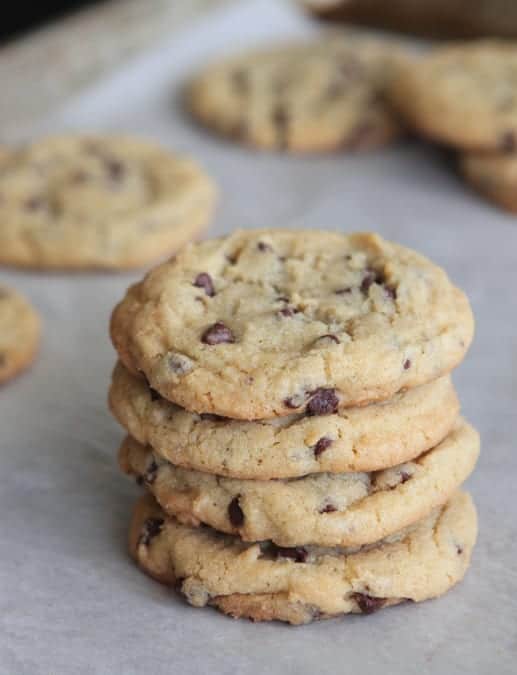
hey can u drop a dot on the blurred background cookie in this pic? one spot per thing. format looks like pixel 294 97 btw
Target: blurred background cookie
pixel 19 333
pixel 98 201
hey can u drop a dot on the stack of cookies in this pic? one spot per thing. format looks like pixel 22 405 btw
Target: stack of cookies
pixel 465 96
pixel 292 416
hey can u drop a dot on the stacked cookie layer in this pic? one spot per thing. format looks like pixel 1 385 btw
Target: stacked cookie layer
pixel 292 417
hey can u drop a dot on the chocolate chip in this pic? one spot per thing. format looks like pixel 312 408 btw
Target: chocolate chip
pixel 459 549
pixel 235 513
pixel 508 142
pixel 362 137
pixel 78 177
pixel 367 603
pixel 115 169
pixel 297 553
pixel 205 282
pixel 370 276
pixel 151 473
pixel 323 402
pixel 262 246
pixel 391 292
pixel 288 311
pixel 280 120
pixel 217 334
pixel 152 527
pixel 328 508
pixel 323 443
pixel 34 203
pixel 407 364
pixel 404 476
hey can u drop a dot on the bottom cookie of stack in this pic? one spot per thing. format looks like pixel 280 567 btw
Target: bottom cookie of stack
pixel 262 581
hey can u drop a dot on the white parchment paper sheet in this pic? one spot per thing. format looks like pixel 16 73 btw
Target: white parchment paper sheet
pixel 70 599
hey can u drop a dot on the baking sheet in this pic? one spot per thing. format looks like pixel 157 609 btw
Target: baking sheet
pixel 71 601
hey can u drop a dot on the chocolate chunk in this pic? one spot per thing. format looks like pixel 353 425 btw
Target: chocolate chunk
pixel 151 473
pixel 404 476
pixel 217 334
pixel 115 169
pixel 459 549
pixel 205 282
pixel 152 527
pixel 297 553
pixel 328 508
pixel 235 513
pixel 508 142
pixel 407 364
pixel 323 443
pixel 323 402
pixel 367 603
pixel 240 81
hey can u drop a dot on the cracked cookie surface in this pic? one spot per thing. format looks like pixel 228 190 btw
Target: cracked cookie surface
pixel 345 509
pixel 291 321
pixel 19 333
pixel 353 439
pixel 303 97
pixel 98 201
pixel 464 95
pixel 301 584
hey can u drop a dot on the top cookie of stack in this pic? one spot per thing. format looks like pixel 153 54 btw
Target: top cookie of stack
pixel 262 324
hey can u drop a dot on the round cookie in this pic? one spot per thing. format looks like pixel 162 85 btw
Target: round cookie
pixel 494 176
pixel 301 97
pixel 19 333
pixel 98 201
pixel 353 439
pixel 346 509
pixel 264 323
pixel 298 585
pixel 464 95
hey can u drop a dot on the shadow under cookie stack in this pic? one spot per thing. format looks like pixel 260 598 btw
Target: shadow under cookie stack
pixel 291 415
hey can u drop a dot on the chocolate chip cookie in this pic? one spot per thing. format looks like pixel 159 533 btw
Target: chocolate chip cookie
pixel 266 323
pixel 353 439
pixel 494 176
pixel 264 582
pixel 344 509
pixel 98 201
pixel 302 97
pixel 19 333
pixel 464 95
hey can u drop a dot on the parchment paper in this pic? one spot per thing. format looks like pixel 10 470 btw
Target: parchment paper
pixel 71 601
